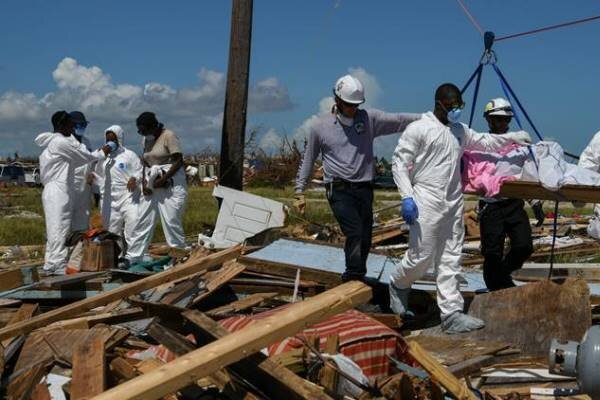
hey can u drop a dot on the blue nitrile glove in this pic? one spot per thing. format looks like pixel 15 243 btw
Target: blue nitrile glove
pixel 410 212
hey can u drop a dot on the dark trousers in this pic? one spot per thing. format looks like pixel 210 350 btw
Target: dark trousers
pixel 352 206
pixel 496 222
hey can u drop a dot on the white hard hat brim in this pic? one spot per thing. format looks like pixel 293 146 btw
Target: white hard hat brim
pixel 353 101
pixel 501 113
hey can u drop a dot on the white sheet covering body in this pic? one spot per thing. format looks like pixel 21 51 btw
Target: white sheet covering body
pixel 590 159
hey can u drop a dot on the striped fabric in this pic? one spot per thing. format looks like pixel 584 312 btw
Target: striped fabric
pixel 366 341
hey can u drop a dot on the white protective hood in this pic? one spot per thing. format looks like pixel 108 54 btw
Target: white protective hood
pixel 44 139
pixel 117 131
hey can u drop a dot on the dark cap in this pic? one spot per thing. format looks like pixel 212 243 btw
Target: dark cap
pixel 147 119
pixel 78 117
pixel 59 118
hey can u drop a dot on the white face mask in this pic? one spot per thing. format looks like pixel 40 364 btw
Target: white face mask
pixel 79 131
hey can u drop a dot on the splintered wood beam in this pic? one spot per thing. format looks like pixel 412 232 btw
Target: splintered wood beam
pixel 290 270
pixel 329 375
pixel 276 380
pixel 89 369
pixel 439 373
pixel 124 291
pixel 241 305
pixel 23 385
pixel 25 312
pixel 208 359
pixel 216 279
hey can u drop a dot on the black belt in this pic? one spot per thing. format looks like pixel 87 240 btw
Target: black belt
pixel 343 184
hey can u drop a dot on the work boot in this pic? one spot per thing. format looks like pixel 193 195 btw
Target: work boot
pixel 399 301
pixel 459 322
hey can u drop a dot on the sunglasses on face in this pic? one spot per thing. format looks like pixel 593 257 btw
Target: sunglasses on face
pixel 453 106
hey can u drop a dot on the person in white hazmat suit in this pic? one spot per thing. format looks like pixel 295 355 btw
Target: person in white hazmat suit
pixel 426 169
pixel 164 188
pixel 82 192
pixel 590 159
pixel 118 179
pixel 61 155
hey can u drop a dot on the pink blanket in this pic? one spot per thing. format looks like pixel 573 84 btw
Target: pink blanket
pixel 479 176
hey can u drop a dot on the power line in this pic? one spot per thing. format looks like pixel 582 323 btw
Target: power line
pixel 470 16
pixel 547 28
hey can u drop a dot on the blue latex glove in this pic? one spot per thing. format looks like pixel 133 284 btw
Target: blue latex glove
pixel 410 212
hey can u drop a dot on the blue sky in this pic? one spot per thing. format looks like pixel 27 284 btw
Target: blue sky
pixel 114 58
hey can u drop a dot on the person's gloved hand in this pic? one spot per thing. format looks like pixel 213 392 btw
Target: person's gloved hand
pixel 522 137
pixel 410 212
pixel 299 203
pixel 538 212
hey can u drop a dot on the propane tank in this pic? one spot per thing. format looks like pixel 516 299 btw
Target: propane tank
pixel 580 360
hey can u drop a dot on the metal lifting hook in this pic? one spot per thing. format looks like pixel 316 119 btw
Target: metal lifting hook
pixel 489 56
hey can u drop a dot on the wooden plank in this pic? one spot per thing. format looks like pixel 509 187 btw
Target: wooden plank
pixel 180 345
pixel 238 345
pixel 439 373
pixel 122 369
pixel 89 369
pixel 530 316
pixel 534 190
pixel 41 392
pixel 23 383
pixel 10 302
pixel 383 236
pixel 449 350
pixel 289 270
pixel 216 279
pixel 329 375
pixel 109 318
pixel 471 365
pixel 264 372
pixel 15 278
pixel 182 290
pixel 58 344
pixel 53 282
pixel 241 305
pixel 25 312
pixel 172 340
pixel 122 292
pixel 393 321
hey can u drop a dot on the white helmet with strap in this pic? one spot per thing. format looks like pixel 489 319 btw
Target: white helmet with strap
pixel 349 90
pixel 500 107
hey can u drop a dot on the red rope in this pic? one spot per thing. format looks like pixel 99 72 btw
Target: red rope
pixel 547 28
pixel 470 16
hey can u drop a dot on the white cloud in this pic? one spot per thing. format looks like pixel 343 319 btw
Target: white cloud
pixel 270 141
pixel 373 91
pixel 195 112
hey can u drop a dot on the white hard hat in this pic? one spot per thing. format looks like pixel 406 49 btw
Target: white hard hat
pixel 117 130
pixel 349 89
pixel 499 107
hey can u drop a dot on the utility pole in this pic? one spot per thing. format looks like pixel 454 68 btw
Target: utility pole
pixel 231 167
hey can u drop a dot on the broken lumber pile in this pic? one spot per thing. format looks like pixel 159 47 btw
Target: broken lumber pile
pixel 223 325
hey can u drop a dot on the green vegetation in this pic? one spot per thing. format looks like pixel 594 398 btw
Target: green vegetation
pixel 201 211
